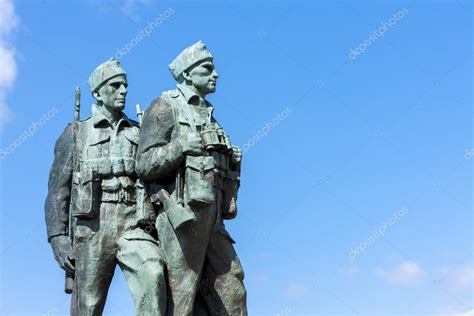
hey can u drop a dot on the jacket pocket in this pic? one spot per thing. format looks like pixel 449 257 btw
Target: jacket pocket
pixel 131 134
pixel 97 144
pixel 199 180
pixel 85 194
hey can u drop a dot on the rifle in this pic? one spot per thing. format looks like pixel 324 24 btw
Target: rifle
pixel 139 114
pixel 69 282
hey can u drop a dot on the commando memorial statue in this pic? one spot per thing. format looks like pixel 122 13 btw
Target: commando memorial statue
pixel 192 171
pixel 151 198
pixel 91 208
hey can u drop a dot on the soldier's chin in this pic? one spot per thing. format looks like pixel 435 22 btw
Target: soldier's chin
pixel 212 88
pixel 119 106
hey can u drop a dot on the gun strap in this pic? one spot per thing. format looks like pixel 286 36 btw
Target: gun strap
pixel 74 169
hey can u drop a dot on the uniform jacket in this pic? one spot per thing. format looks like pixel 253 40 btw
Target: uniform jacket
pixel 91 150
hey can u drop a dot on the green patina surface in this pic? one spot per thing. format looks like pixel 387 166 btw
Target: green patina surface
pixel 152 199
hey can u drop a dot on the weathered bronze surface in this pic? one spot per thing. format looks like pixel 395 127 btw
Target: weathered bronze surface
pixel 152 199
pixel 184 153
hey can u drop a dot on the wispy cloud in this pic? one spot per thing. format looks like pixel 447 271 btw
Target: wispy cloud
pixel 460 278
pixel 8 22
pixel 407 273
pixel 350 270
pixel 452 312
pixel 130 8
pixel 5 113
pixel 466 313
pixel 8 66
pixel 8 19
pixel 296 290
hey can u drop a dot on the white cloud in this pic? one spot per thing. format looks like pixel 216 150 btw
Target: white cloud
pixel 296 290
pixel 131 7
pixel 5 113
pixel 460 278
pixel 8 21
pixel 350 271
pixel 407 273
pixel 8 67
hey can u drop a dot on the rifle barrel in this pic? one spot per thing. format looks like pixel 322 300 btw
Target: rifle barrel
pixel 77 104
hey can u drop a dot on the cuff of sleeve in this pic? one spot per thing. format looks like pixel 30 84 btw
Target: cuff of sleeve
pixel 55 233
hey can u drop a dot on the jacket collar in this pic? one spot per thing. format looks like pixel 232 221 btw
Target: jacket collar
pixel 190 96
pixel 99 118
pixel 193 98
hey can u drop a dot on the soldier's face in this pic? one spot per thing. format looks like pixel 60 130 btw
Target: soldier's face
pixel 204 77
pixel 113 93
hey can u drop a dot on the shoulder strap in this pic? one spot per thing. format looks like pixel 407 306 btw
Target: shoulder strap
pixel 74 169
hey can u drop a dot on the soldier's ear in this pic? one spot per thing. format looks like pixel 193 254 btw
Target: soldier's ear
pixel 186 75
pixel 97 95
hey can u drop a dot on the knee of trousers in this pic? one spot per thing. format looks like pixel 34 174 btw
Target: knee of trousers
pixel 235 289
pixel 237 271
pixel 152 273
pixel 89 303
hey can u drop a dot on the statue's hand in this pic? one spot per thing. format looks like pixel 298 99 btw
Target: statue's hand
pixel 236 154
pixel 62 250
pixel 192 144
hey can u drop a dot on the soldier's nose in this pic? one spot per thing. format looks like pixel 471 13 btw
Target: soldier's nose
pixel 123 89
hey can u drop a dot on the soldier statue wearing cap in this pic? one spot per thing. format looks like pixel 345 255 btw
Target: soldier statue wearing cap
pixel 93 181
pixel 191 171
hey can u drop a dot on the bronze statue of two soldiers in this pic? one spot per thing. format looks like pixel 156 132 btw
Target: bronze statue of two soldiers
pixel 150 198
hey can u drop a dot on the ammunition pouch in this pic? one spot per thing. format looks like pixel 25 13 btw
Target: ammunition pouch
pixel 85 199
pixel 145 210
pixel 199 181
pixel 230 187
pixel 107 166
pixel 120 196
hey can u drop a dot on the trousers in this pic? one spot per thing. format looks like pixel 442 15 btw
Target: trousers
pixel 100 244
pixel 200 259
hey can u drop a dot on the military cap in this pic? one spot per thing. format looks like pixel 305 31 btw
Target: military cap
pixel 189 57
pixel 105 71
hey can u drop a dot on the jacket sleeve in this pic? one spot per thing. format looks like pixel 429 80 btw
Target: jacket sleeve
pixel 158 153
pixel 56 206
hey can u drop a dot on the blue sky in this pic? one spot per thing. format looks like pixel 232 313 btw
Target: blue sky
pixel 356 201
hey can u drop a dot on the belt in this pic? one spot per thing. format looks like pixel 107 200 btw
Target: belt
pixel 122 195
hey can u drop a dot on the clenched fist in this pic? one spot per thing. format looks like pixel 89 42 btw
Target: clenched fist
pixel 63 254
